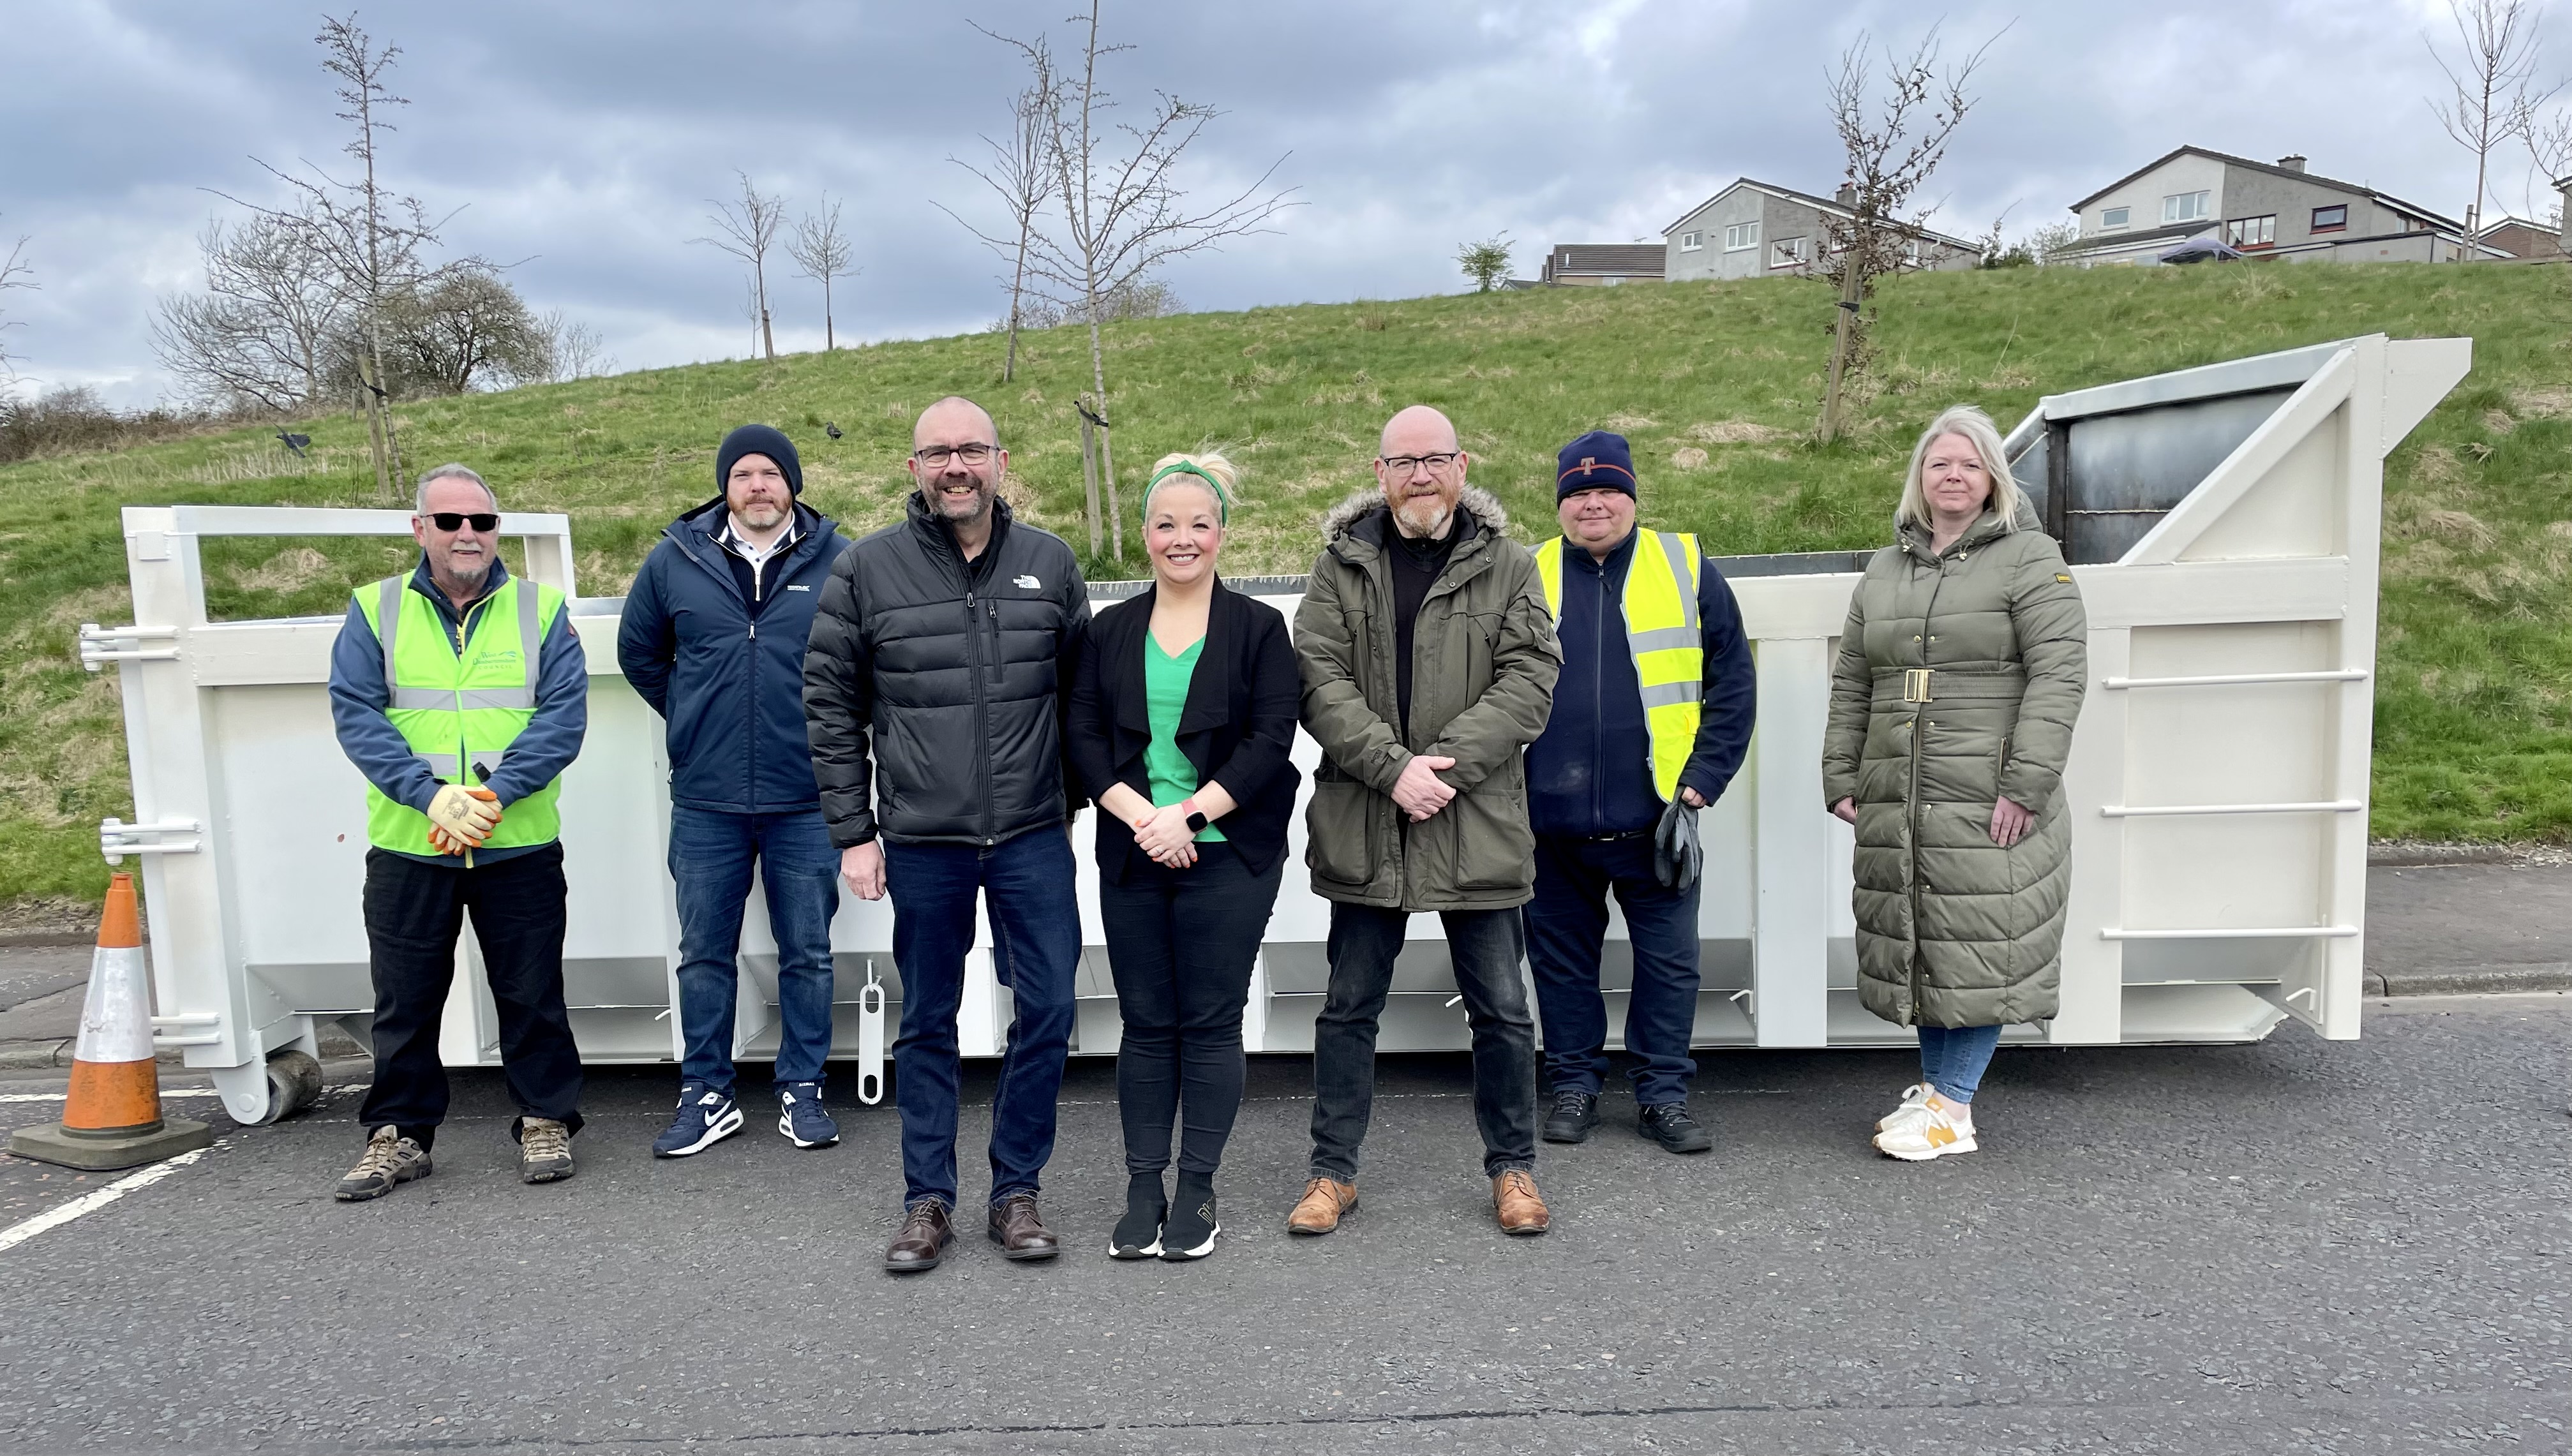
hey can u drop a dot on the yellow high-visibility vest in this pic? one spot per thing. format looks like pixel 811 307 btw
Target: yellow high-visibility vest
pixel 1665 635
pixel 460 712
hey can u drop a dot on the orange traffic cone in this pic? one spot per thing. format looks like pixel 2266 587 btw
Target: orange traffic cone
pixel 112 1119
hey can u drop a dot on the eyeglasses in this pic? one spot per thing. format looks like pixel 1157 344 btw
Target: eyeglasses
pixel 937 456
pixel 486 522
pixel 1405 464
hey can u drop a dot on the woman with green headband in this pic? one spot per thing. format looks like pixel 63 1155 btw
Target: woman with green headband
pixel 1182 714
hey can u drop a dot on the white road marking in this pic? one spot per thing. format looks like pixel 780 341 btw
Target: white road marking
pixel 167 1093
pixel 17 1234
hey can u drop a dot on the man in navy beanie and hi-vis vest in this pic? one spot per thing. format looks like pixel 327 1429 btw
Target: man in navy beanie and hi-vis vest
pixel 712 639
pixel 460 692
pixel 1655 706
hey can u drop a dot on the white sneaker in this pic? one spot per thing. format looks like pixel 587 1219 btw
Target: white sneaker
pixel 1915 1100
pixel 1934 1133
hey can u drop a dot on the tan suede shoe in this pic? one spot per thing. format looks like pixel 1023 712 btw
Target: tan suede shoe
pixel 1514 1199
pixel 1319 1211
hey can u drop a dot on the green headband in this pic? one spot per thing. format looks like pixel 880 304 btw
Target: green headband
pixel 1222 502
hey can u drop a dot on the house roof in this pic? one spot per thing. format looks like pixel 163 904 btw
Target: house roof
pixel 2228 158
pixel 1825 204
pixel 2129 237
pixel 1623 260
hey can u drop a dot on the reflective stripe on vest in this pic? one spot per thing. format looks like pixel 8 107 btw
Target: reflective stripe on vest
pixel 1665 635
pixel 460 712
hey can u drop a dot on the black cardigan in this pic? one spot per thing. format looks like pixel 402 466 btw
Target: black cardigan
pixel 1237 727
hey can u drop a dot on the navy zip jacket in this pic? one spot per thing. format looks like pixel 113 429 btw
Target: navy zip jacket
pixel 536 757
pixel 724 669
pixel 1591 772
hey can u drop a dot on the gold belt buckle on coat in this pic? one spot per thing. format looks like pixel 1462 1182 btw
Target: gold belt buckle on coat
pixel 1915 684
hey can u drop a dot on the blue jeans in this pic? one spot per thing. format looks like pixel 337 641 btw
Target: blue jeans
pixel 1952 1057
pixel 1036 933
pixel 1566 927
pixel 711 854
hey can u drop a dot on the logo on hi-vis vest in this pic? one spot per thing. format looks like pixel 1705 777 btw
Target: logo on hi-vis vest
pixel 1027 583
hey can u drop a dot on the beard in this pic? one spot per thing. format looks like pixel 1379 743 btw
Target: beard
pixel 1425 515
pixel 760 515
pixel 950 509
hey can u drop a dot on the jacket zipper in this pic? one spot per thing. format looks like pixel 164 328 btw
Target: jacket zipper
pixel 1919 732
pixel 1598 696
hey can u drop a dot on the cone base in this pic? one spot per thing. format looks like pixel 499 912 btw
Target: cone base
pixel 90 1152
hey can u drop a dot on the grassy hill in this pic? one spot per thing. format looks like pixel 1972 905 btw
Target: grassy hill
pixel 1714 384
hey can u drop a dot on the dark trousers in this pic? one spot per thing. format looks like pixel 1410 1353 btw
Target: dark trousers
pixel 711 854
pixel 1566 927
pixel 1035 945
pixel 413 914
pixel 1180 943
pixel 1484 947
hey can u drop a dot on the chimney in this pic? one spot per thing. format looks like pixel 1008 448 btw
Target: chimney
pixel 1847 195
pixel 2563 189
pixel 2291 164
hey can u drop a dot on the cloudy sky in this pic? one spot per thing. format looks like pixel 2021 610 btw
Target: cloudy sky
pixel 584 136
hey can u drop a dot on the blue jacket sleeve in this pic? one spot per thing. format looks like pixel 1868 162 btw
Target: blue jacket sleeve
pixel 551 739
pixel 645 644
pixel 358 694
pixel 1731 704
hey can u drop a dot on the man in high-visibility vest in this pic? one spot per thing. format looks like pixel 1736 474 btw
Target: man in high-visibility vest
pixel 1654 707
pixel 460 692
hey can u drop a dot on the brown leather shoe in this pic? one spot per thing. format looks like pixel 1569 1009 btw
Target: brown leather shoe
pixel 921 1240
pixel 1319 1211
pixel 1019 1232
pixel 1514 1199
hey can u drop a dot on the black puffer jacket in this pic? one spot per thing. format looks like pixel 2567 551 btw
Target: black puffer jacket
pixel 935 687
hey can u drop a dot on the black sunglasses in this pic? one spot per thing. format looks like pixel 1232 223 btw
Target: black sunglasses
pixel 486 522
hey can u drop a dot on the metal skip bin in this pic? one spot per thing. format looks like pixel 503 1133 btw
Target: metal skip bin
pixel 2222 523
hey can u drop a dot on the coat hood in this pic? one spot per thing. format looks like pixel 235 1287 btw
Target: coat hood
pixel 1340 519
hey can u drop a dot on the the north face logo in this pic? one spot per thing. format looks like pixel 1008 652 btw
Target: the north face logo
pixel 1027 583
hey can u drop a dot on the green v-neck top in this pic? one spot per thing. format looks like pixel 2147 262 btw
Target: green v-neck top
pixel 1166 693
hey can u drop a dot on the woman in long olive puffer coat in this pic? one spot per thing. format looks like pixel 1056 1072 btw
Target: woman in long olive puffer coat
pixel 1959 676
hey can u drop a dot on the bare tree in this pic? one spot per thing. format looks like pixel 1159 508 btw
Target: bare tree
pixel 576 350
pixel 1125 214
pixel 15 273
pixel 1893 145
pixel 2493 95
pixel 263 333
pixel 1021 172
pixel 748 230
pixel 821 249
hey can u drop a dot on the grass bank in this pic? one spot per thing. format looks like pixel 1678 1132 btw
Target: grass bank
pixel 1714 384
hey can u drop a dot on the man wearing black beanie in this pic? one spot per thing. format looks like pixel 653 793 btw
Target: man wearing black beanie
pixel 721 609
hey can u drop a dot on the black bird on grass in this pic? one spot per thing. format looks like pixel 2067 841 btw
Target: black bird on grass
pixel 832 430
pixel 295 444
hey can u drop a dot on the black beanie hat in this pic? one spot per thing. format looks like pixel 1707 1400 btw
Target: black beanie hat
pixel 765 440
pixel 1596 459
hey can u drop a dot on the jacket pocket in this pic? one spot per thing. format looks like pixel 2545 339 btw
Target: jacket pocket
pixel 1495 848
pixel 1338 832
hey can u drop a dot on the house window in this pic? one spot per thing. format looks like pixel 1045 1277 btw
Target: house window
pixel 2331 219
pixel 1788 252
pixel 1691 241
pixel 1739 236
pixel 1911 252
pixel 2186 207
pixel 2116 217
pixel 2252 232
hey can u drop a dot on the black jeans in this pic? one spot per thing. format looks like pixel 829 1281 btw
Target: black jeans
pixel 413 914
pixel 1484 947
pixel 1180 943
pixel 1566 927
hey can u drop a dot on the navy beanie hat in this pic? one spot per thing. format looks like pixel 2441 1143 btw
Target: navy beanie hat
pixel 1596 460
pixel 770 441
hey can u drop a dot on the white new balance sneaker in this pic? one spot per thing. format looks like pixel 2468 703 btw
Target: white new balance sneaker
pixel 1935 1131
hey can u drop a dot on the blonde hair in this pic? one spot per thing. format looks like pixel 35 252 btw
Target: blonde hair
pixel 1978 431
pixel 1213 463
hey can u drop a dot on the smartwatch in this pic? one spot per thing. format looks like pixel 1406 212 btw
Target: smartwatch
pixel 1196 816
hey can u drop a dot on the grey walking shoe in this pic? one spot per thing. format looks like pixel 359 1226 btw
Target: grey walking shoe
pixel 545 1151
pixel 392 1159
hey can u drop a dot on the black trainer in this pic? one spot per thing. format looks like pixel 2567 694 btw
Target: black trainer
pixel 1138 1234
pixel 1574 1113
pixel 1669 1124
pixel 1192 1225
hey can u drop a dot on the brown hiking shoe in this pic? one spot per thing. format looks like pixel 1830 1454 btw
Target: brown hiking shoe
pixel 392 1159
pixel 545 1151
pixel 1514 1199
pixel 1319 1211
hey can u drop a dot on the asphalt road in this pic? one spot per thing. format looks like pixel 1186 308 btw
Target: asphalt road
pixel 2292 1246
